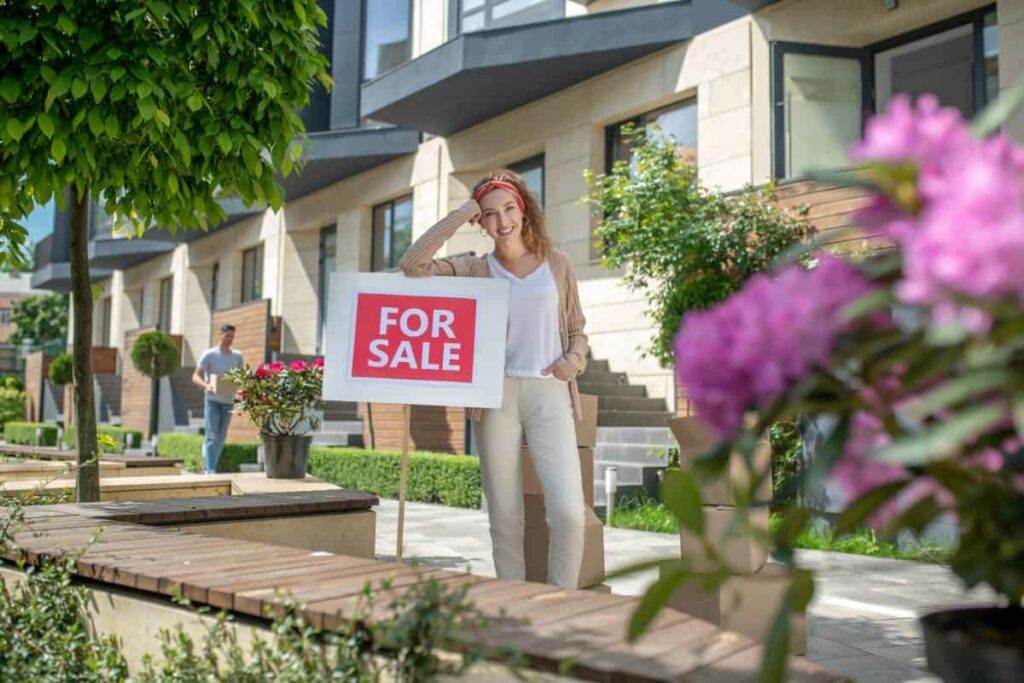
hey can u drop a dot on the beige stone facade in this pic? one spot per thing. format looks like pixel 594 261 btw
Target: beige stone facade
pixel 728 72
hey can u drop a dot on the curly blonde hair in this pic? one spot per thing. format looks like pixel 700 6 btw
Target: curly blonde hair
pixel 535 232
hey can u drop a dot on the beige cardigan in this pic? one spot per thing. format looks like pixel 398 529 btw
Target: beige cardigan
pixel 419 261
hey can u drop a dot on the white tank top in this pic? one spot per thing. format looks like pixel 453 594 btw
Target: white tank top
pixel 532 340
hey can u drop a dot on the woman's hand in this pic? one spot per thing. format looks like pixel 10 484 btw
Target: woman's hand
pixel 474 211
pixel 558 369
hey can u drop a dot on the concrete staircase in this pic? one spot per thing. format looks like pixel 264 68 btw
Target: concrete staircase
pixel 188 399
pixel 107 390
pixel 341 424
pixel 621 404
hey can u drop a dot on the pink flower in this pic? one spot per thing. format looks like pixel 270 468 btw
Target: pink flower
pixel 762 340
pixel 855 472
pixel 318 363
pixel 264 399
pixel 297 366
pixel 276 367
pixel 261 371
pixel 239 396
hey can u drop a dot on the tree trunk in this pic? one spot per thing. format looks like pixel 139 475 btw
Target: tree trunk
pixel 87 487
pixel 154 397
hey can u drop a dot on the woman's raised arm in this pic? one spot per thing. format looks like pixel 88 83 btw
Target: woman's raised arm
pixel 419 261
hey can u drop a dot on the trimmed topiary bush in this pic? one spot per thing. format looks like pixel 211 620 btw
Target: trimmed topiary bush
pixel 24 433
pixel 189 449
pixel 12 404
pixel 118 434
pixel 13 382
pixel 154 354
pixel 60 371
pixel 433 477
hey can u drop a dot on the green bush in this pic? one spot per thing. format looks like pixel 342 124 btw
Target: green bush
pixel 24 433
pixel 189 449
pixel 60 371
pixel 433 477
pixel 118 434
pixel 12 404
pixel 12 382
pixel 154 354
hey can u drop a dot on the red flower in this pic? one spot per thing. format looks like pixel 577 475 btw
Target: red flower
pixel 264 399
pixel 276 367
pixel 261 371
pixel 239 396
pixel 318 363
pixel 297 366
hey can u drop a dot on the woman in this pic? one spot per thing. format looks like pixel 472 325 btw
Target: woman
pixel 545 351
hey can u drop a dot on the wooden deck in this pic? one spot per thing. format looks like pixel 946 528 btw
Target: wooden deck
pixel 547 624
pixel 50 453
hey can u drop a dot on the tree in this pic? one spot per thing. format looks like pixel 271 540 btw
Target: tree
pixel 40 319
pixel 155 355
pixel 155 110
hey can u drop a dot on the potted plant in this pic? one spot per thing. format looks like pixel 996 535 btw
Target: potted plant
pixel 282 401
pixel 916 356
pixel 155 355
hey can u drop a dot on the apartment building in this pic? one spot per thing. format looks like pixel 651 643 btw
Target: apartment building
pixel 431 94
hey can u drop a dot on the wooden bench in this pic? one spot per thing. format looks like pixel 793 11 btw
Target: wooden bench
pixel 50 453
pixel 138 550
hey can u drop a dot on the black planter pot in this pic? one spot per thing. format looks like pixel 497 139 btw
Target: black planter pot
pixel 979 644
pixel 286 456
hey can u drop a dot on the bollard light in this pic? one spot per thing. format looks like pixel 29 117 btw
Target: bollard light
pixel 611 485
pixel 60 438
pixel 39 436
pixel 156 438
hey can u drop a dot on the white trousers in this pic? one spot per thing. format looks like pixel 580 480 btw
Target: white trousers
pixel 542 407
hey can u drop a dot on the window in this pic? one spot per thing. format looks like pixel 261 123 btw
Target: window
pixel 477 15
pixel 163 321
pixel 5 316
pixel 532 171
pixel 214 282
pixel 252 274
pixel 387 32
pixel 990 55
pixel 106 321
pixel 392 233
pixel 328 260
pixel 677 122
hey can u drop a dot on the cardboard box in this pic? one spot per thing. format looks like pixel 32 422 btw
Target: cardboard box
pixel 695 438
pixel 536 538
pixel 586 429
pixel 741 552
pixel 745 604
pixel 222 385
pixel 531 483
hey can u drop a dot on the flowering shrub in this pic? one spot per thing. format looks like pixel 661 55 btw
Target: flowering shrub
pixel 280 399
pixel 915 353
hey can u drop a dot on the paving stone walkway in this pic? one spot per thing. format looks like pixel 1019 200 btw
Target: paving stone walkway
pixel 863 621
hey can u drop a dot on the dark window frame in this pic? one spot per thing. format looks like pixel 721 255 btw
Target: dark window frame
pixel 638 121
pixel 976 18
pixel 455 15
pixel 529 163
pixel 391 263
pixel 362 41
pixel 214 285
pixel 106 320
pixel 165 305
pixel 323 282
pixel 255 292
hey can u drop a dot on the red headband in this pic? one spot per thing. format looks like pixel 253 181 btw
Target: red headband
pixel 502 185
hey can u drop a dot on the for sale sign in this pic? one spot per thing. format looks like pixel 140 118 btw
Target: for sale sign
pixel 426 341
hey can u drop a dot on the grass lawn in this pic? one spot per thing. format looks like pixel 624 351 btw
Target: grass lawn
pixel 645 514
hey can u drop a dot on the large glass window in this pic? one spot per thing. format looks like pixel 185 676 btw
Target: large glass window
pixel 163 322
pixel 990 55
pixel 328 260
pixel 252 274
pixel 677 122
pixel 477 15
pixel 532 170
pixel 392 233
pixel 387 35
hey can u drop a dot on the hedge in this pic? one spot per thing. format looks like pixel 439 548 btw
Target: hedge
pixel 189 448
pixel 24 433
pixel 118 434
pixel 12 404
pixel 433 477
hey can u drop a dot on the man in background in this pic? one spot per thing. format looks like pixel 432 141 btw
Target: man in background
pixel 216 407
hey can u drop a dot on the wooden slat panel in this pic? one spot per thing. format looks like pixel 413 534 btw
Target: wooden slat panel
pixel 36 366
pixel 104 360
pixel 432 428
pixel 136 388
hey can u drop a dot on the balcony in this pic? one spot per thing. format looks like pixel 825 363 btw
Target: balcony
pixel 335 155
pixel 477 76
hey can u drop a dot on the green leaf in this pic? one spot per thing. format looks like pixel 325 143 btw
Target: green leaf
pixel 857 513
pixel 224 140
pixel 147 108
pixel 801 591
pixel 194 101
pixel 67 24
pixel 711 465
pixel 99 89
pixel 89 37
pixel 46 124
pixel 117 73
pixel 15 129
pixel 793 523
pixel 78 88
pixel 270 87
pixel 656 597
pixel 162 118
pixel 96 125
pixel 776 650
pixel 956 391
pixel 993 116
pixel 58 149
pixel 60 86
pixel 945 438
pixel 681 494
pixel 112 126
pixel 143 89
pixel 10 88
pixel 199 28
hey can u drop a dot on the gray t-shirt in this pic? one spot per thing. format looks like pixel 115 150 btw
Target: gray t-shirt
pixel 217 362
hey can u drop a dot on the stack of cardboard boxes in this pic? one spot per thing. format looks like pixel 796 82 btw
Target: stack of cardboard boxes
pixel 748 600
pixel 536 534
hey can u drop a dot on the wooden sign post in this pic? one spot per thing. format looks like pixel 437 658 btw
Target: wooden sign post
pixel 437 341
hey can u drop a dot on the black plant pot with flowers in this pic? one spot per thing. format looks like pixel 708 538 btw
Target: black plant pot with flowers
pixel 286 456
pixel 976 644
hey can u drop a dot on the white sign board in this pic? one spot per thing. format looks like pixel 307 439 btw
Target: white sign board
pixel 437 341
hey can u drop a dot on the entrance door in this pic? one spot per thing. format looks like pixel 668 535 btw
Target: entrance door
pixel 942 64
